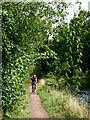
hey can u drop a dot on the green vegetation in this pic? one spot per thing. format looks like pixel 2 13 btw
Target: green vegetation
pixel 23 111
pixel 28 49
pixel 60 104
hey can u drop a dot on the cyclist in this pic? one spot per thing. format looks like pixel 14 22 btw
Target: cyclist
pixel 34 81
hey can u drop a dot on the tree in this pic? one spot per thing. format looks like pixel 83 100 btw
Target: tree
pixel 26 29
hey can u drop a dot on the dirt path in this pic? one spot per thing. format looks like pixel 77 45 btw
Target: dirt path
pixel 37 110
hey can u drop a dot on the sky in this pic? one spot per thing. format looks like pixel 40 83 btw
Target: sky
pixel 84 6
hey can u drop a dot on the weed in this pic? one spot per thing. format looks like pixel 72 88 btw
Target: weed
pixel 60 104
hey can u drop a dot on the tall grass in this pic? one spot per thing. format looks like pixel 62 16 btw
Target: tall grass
pixel 60 104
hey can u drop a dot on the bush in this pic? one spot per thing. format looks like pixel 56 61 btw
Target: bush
pixel 51 75
pixel 52 81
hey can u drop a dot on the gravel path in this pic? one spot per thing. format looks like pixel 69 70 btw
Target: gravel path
pixel 37 110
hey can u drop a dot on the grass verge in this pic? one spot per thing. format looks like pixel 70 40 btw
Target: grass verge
pixel 60 104
pixel 24 110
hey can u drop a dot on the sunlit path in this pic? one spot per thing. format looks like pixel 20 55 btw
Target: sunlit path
pixel 37 110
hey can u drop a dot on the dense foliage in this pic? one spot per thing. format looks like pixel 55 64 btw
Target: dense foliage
pixel 27 47
pixel 72 47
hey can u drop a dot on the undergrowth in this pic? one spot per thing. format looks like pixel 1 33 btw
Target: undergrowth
pixel 23 111
pixel 60 104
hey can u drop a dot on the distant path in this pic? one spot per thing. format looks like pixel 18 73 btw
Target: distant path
pixel 37 110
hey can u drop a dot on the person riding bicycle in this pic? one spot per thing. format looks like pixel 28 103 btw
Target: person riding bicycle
pixel 34 81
